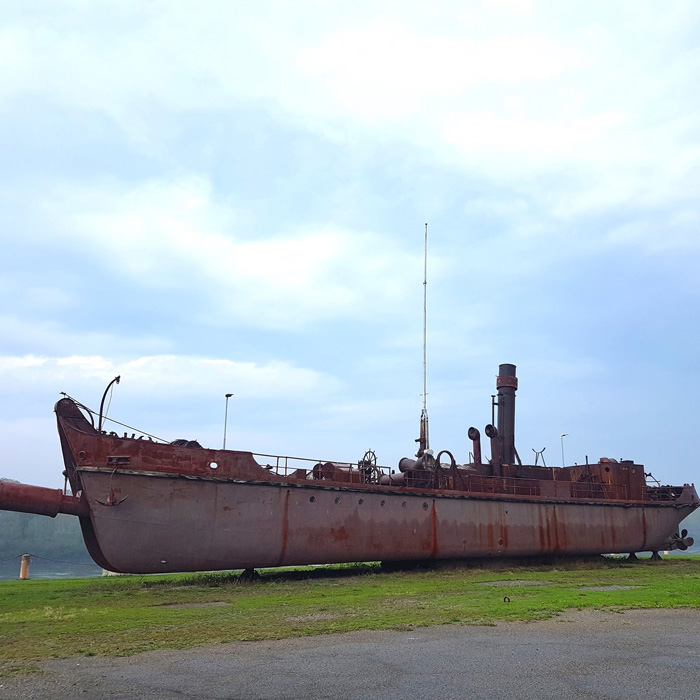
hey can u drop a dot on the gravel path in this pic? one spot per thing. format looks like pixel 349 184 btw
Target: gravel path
pixel 646 654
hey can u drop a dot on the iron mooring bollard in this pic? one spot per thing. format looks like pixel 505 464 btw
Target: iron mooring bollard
pixel 24 567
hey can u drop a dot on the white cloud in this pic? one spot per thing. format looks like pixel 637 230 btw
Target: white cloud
pixel 489 135
pixel 160 233
pixel 55 335
pixel 33 455
pixel 389 70
pixel 163 375
pixel 510 4
pixel 499 88
pixel 680 231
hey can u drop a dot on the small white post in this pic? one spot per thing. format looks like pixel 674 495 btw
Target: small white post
pixel 24 567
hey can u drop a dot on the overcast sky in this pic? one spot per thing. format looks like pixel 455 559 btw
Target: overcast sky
pixel 220 197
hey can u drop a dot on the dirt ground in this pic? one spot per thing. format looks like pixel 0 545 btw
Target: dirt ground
pixel 646 654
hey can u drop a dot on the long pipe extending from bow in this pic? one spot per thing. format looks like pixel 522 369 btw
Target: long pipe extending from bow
pixel 23 498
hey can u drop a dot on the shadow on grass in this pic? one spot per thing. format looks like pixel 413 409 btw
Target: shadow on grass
pixel 343 571
pixel 215 579
pixel 226 578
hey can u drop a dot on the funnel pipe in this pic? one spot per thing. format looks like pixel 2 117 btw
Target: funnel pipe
pixel 506 383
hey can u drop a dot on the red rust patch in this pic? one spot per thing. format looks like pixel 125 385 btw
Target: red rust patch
pixel 554 527
pixel 285 528
pixel 541 531
pixel 340 534
pixel 435 539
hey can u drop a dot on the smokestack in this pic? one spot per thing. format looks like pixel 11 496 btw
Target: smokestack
pixel 506 383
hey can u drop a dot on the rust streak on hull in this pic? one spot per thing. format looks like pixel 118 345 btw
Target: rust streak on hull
pixel 435 531
pixel 285 529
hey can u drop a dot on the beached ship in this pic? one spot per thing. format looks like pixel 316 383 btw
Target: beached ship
pixel 147 506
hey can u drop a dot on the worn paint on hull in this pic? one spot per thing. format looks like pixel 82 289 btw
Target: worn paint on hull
pixel 172 524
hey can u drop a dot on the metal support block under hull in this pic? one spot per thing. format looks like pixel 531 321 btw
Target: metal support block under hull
pixel 166 523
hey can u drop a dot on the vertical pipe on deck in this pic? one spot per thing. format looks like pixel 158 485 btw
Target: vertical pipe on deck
pixel 506 383
pixel 492 433
pixel 475 437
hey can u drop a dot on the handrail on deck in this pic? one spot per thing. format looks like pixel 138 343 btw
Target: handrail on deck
pixel 283 467
pixel 595 489
pixel 305 468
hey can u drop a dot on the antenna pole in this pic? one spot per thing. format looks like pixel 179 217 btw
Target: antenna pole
pixel 424 437
pixel 228 396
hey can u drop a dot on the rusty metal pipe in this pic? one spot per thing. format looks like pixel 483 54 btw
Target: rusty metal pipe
pixel 475 437
pixel 406 464
pixel 507 384
pixel 492 433
pixel 23 498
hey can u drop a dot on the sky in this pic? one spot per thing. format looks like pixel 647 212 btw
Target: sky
pixel 230 197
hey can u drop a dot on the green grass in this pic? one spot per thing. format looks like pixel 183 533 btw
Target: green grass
pixel 126 615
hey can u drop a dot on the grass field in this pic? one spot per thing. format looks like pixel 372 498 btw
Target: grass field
pixel 130 614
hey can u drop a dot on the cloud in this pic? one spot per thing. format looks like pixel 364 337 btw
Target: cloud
pixel 388 70
pixel 160 234
pixel 236 180
pixel 164 376
pixel 503 90
pixel 54 335
pixel 676 231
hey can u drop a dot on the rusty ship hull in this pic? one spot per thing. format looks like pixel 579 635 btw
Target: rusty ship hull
pixel 167 523
pixel 152 507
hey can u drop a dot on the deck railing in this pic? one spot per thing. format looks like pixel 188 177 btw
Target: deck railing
pixel 314 470
pixel 663 493
pixel 590 489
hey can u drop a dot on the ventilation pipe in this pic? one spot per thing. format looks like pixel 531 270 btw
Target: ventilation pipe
pixel 506 383
pixel 492 433
pixel 475 437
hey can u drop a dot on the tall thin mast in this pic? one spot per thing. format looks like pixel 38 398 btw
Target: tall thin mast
pixel 424 440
